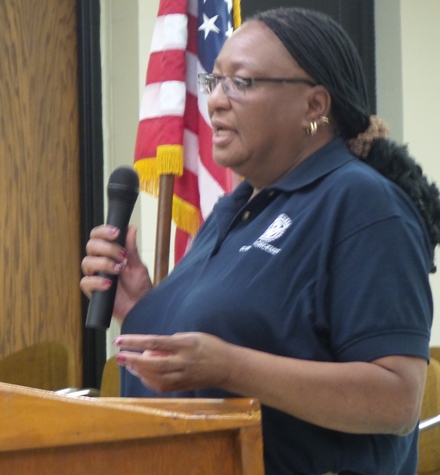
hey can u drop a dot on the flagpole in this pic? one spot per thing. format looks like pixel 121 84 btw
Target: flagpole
pixel 163 230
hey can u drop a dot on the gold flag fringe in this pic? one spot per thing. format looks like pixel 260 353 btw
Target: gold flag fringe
pixel 148 176
pixel 184 215
pixel 170 160
pixel 237 13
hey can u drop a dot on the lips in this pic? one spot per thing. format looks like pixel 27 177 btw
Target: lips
pixel 217 127
pixel 222 133
pixel 222 137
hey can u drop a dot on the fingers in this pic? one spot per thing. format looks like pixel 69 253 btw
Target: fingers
pixel 159 370
pixel 103 255
pixel 162 343
pixel 105 231
pixel 97 246
pixel 91 266
pixel 90 284
pixel 161 362
pixel 152 361
pixel 179 362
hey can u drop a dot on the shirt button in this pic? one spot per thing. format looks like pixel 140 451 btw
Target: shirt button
pixel 271 193
pixel 246 215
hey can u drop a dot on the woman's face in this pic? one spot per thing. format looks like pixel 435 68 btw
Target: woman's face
pixel 260 134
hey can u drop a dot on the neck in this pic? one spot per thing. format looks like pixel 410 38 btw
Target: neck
pixel 266 178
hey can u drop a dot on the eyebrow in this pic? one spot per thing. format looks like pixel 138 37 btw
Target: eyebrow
pixel 239 64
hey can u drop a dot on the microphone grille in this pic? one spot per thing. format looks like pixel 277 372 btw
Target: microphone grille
pixel 125 177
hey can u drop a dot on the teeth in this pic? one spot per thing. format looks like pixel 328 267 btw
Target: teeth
pixel 223 132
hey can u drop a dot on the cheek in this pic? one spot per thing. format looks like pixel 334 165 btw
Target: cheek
pixel 286 121
pixel 265 128
pixel 255 126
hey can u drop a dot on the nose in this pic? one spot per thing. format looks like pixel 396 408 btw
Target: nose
pixel 218 99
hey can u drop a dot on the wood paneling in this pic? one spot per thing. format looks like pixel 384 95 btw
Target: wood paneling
pixel 39 176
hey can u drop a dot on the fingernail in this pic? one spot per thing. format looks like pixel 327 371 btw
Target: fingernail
pixel 120 265
pixel 117 341
pixel 121 358
pixel 124 253
pixel 113 231
pixel 108 282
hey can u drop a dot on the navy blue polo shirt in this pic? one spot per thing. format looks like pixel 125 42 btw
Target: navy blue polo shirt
pixel 330 264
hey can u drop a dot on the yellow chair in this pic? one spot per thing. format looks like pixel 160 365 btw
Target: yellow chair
pixel 110 386
pixel 435 352
pixel 45 365
pixel 429 440
pixel 109 383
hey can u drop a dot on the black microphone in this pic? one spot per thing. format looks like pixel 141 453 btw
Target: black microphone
pixel 122 192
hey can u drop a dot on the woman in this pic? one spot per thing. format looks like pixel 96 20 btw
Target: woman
pixel 307 287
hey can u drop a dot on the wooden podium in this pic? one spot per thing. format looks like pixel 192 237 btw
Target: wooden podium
pixel 44 433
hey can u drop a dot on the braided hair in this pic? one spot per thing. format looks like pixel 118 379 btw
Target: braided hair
pixel 324 50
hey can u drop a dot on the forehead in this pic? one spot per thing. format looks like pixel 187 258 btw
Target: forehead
pixel 255 47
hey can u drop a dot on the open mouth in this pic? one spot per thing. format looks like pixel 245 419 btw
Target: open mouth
pixel 223 132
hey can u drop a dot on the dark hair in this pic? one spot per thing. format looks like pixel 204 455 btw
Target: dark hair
pixel 324 50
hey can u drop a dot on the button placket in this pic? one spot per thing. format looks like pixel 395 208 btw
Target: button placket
pixel 246 215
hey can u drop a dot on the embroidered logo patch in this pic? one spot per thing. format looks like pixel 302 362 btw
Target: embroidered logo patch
pixel 273 232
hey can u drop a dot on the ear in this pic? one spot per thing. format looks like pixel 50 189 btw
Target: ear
pixel 319 104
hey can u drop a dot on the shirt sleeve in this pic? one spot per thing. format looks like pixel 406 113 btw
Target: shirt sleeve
pixel 379 300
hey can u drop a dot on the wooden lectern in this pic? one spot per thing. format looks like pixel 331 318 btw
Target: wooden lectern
pixel 44 433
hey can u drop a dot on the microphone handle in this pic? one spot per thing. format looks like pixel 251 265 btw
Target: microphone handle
pixel 101 304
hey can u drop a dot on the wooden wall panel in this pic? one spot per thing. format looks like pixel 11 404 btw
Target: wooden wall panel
pixel 39 176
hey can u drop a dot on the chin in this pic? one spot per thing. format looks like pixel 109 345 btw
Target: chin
pixel 228 161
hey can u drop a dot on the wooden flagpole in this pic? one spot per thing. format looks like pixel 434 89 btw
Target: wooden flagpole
pixel 163 229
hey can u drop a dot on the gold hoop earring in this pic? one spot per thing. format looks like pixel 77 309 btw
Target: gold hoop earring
pixel 313 127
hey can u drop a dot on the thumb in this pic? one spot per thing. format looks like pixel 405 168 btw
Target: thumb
pixel 131 245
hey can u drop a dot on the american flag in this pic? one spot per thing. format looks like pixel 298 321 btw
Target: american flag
pixel 174 134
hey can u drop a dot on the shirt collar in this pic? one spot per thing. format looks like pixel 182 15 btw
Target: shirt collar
pixel 321 163
pixel 324 161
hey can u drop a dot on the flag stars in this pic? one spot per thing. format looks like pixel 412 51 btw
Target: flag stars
pixel 229 4
pixel 229 31
pixel 208 25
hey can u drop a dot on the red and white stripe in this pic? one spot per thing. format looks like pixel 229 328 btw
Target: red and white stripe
pixel 173 113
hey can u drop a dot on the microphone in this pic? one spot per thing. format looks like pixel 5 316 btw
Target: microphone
pixel 122 192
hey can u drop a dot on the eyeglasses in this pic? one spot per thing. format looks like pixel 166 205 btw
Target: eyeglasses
pixel 236 86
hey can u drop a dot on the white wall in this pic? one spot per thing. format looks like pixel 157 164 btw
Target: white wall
pixel 421 76
pixel 408 74
pixel 421 100
pixel 126 30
